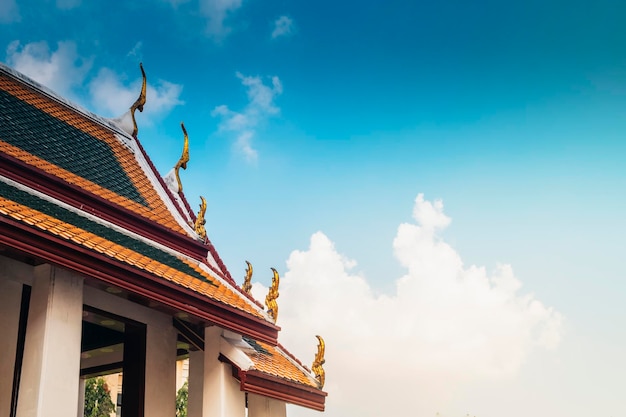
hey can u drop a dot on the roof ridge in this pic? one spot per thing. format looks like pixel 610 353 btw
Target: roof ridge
pixel 162 181
pixel 51 94
pixel 207 242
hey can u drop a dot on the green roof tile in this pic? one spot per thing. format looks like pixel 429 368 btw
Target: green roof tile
pixel 67 216
pixel 36 132
pixel 257 346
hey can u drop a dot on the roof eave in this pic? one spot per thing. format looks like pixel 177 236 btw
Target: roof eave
pixel 66 254
pixel 260 383
pixel 75 196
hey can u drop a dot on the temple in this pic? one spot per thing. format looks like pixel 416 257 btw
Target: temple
pixel 105 268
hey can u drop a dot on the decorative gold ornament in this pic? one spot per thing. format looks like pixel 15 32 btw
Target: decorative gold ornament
pixel 319 360
pixel 272 295
pixel 199 226
pixel 184 158
pixel 247 284
pixel 141 100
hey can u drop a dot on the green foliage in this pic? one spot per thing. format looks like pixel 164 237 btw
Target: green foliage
pixel 181 400
pixel 98 401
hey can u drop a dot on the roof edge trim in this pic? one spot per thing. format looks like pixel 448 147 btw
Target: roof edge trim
pixel 76 197
pixel 68 255
pixel 257 382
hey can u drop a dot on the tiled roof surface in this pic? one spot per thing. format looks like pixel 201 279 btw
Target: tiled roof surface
pixel 273 361
pixel 58 221
pixel 62 142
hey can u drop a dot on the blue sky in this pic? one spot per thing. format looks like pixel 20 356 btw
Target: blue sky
pixel 333 117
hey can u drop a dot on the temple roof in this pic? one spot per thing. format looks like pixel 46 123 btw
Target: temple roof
pixel 68 145
pixel 272 371
pixel 37 212
pixel 80 178
pixel 79 190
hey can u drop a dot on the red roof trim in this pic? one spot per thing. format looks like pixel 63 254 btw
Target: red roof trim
pixel 270 386
pixel 223 270
pixel 162 182
pixel 68 255
pixel 75 196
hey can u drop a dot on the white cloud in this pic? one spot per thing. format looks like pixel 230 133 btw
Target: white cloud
pixel 135 52
pixel 61 70
pixel 68 4
pixel 9 12
pixel 446 324
pixel 176 3
pixel 112 97
pixel 216 12
pixel 245 123
pixel 283 26
pixel 244 143
pixel 64 71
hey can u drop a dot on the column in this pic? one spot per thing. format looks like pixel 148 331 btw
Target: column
pixel 222 395
pixel 50 371
pixel 260 406
pixel 10 303
pixel 160 369
pixel 81 397
pixel 196 383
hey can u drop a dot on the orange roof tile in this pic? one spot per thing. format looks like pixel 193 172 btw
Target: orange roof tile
pixel 215 290
pixel 273 361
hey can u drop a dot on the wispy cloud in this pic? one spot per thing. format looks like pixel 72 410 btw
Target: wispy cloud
pixel 445 325
pixel 61 70
pixel 245 123
pixel 216 12
pixel 64 71
pixel 68 4
pixel 112 97
pixel 9 12
pixel 283 26
pixel 136 51
pixel 176 3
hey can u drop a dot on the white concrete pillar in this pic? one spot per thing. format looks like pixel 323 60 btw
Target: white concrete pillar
pixel 51 368
pixel 222 396
pixel 180 380
pixel 196 383
pixel 260 406
pixel 160 399
pixel 10 302
pixel 81 397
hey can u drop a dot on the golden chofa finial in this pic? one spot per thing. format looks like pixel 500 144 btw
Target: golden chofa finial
pixel 272 295
pixel 184 158
pixel 199 226
pixel 141 100
pixel 247 284
pixel 319 360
